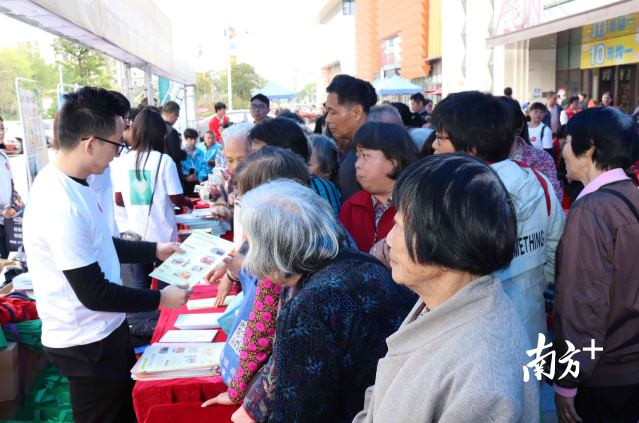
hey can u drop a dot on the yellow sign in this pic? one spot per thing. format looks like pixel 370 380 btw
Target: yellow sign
pixel 612 28
pixel 610 52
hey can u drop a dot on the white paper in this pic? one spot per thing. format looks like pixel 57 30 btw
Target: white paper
pixel 189 336
pixel 198 321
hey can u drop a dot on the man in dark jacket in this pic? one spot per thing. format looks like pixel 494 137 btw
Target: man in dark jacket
pixel 349 101
pixel 553 111
pixel 170 114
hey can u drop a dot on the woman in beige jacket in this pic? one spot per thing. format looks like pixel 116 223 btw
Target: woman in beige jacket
pixel 460 353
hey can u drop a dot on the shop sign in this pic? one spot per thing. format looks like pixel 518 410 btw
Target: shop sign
pixel 514 15
pixel 611 42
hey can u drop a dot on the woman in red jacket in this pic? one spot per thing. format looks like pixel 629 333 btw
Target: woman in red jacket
pixel 384 150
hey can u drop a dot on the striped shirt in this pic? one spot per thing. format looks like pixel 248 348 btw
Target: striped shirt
pixel 327 191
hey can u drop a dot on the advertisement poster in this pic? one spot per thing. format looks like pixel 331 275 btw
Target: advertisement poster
pixel 35 142
pixel 610 43
pixel 202 253
pixel 180 357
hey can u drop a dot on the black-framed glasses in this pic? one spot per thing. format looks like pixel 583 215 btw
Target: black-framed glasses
pixel 121 146
pixel 258 106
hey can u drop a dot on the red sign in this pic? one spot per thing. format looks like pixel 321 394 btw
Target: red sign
pixel 203 109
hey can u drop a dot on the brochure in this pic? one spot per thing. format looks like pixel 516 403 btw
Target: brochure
pixel 157 359
pixel 207 303
pixel 198 321
pixel 182 336
pixel 202 253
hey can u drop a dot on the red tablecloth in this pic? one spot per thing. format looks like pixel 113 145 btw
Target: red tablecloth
pixel 151 399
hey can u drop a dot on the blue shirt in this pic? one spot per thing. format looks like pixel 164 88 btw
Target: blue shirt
pixel 209 153
pixel 328 192
pixel 196 162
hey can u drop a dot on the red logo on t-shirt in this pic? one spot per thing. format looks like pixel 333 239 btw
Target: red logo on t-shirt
pixel 533 139
pixel 7 166
pixel 100 208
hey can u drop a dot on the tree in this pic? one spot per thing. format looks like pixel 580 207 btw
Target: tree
pixel 306 91
pixel 244 79
pixel 82 66
pixel 23 61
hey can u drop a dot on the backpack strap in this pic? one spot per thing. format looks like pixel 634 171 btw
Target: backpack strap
pixel 542 181
pixel 622 198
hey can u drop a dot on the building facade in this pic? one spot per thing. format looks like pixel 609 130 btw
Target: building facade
pixel 537 46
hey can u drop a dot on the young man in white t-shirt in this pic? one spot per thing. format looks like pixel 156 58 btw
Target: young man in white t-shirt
pixel 540 134
pixel 74 263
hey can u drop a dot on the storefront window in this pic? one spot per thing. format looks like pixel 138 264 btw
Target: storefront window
pixel 574 60
pixel 563 46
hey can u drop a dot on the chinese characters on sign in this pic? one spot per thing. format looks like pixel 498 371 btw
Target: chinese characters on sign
pixel 609 43
pixel 538 364
pixel 514 15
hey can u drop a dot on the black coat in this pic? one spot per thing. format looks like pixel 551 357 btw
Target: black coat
pixel 174 149
pixel 346 180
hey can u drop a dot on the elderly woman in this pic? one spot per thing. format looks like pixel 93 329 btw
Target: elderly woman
pixel 459 354
pixel 323 165
pixel 337 307
pixel 597 282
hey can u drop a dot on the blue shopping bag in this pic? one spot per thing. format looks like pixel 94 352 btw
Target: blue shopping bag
pixel 230 358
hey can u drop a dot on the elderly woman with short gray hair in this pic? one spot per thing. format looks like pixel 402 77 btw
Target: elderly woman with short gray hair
pixel 337 306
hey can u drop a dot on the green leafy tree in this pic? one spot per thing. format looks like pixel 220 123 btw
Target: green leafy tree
pixel 244 79
pixel 306 91
pixel 23 61
pixel 82 66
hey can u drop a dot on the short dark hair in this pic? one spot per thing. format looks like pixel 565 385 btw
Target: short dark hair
pixel 427 147
pixel 126 104
pixel 352 91
pixel 170 107
pixel 538 106
pixel 550 94
pixel 87 112
pixel 409 118
pixel 612 133
pixel 268 164
pixel 457 214
pixel 219 106
pixel 418 98
pixel 287 114
pixel 190 133
pixel 372 92
pixel 283 133
pixel 561 132
pixel 209 132
pixel 520 126
pixel 476 121
pixel 508 91
pixel 327 155
pixel 573 99
pixel 392 140
pixel 261 97
pixel 149 132
pixel 155 109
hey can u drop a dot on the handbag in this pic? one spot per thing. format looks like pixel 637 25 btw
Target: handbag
pixel 131 235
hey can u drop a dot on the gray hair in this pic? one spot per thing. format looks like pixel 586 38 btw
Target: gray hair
pixel 376 113
pixel 290 229
pixel 238 131
pixel 420 135
pixel 326 153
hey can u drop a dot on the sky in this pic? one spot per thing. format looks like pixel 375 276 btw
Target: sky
pixel 272 35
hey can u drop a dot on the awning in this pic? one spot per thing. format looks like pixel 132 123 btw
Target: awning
pixel 378 82
pixel 274 91
pixel 398 85
pixel 593 16
pixel 435 91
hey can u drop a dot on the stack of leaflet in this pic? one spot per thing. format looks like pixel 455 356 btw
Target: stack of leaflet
pixel 198 321
pixel 23 282
pixel 173 361
pixel 203 219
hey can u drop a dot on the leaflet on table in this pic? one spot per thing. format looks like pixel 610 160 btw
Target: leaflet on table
pixel 207 303
pixel 198 321
pixel 202 253
pixel 179 357
pixel 190 336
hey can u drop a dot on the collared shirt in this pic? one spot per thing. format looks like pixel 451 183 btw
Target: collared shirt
pixel 380 208
pixel 210 153
pixel 605 178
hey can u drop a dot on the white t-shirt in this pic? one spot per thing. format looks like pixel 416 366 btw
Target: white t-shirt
pixel 101 185
pixel 539 140
pixel 137 193
pixel 6 190
pixel 119 213
pixel 65 229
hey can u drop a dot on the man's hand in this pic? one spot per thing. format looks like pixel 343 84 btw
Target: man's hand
pixel 222 399
pixel 224 285
pixel 9 212
pixel 165 250
pixel 241 416
pixel 192 178
pixel 175 296
pixel 566 412
pixel 19 203
pixel 381 251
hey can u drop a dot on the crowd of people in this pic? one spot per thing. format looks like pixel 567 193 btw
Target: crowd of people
pixel 394 261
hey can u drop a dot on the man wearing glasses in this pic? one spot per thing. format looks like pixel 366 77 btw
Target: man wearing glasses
pixel 259 107
pixel 74 263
